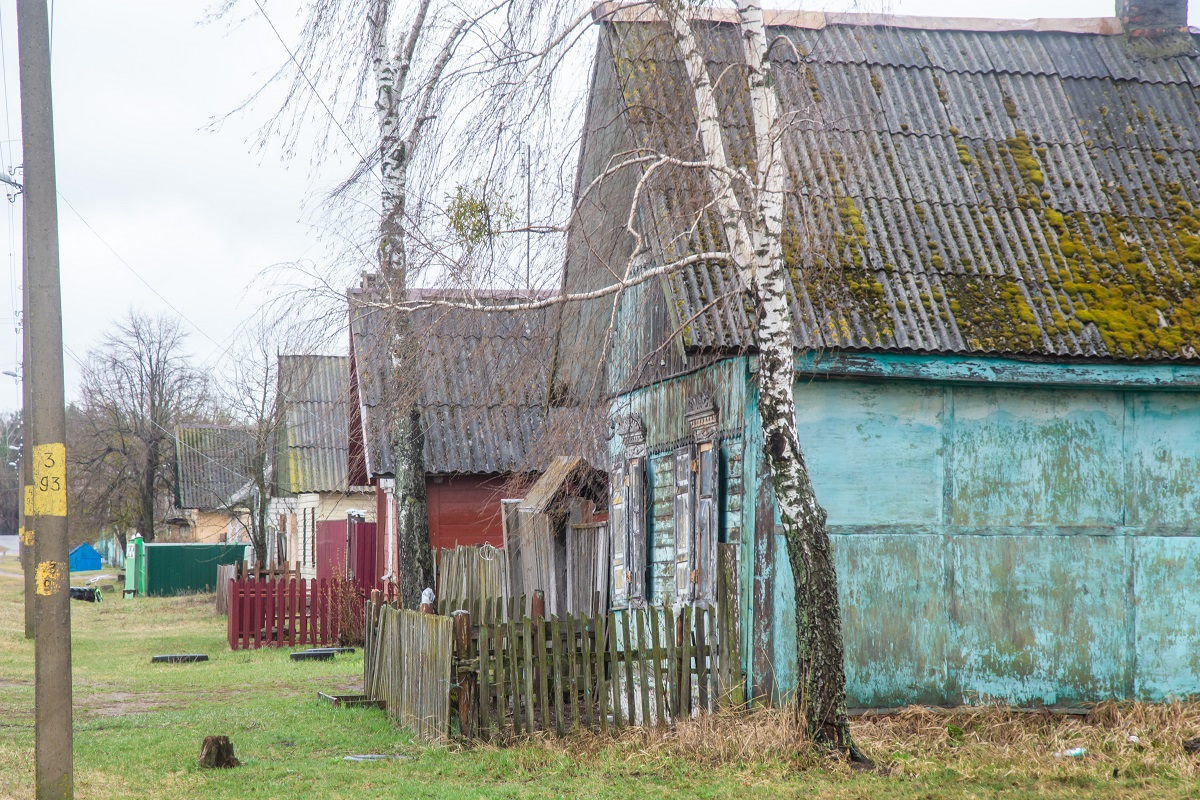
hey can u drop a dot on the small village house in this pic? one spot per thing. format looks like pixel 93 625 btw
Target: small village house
pixel 212 471
pixel 314 497
pixel 481 390
pixel 992 231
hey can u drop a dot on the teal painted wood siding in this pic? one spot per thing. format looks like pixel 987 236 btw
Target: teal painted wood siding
pixel 1002 531
pixel 661 408
pixel 1017 544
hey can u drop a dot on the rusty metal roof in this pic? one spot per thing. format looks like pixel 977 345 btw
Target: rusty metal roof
pixel 313 444
pixel 480 382
pixel 212 465
pixel 1032 194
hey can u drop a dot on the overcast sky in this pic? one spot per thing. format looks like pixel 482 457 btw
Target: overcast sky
pixel 160 213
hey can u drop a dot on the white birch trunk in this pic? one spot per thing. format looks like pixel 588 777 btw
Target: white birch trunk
pixel 753 236
pixel 405 432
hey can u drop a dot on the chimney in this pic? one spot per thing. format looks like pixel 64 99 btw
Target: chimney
pixel 1152 17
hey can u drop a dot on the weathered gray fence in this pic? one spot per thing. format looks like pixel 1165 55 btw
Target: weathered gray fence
pixel 407 664
pixel 470 576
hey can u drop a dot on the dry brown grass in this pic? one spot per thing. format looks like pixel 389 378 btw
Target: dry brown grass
pixel 1133 738
pixel 918 742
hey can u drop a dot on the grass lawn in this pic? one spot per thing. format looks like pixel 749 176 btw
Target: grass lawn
pixel 138 730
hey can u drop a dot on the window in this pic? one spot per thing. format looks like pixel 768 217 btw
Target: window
pixel 627 515
pixel 697 490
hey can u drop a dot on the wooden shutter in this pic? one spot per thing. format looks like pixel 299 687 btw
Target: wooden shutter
pixel 705 556
pixel 685 528
pixel 618 535
pixel 635 524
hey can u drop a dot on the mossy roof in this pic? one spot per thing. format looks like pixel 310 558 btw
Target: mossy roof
pixel 1006 193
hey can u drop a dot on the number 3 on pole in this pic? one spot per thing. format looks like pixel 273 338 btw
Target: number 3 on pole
pixel 50 480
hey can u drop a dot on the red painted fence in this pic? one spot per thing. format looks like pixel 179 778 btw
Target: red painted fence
pixel 280 612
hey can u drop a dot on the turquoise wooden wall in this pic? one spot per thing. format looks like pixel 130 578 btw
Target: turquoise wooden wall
pixel 1002 531
pixel 1018 544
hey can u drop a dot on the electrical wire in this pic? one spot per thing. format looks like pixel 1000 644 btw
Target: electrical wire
pixel 307 80
pixel 135 273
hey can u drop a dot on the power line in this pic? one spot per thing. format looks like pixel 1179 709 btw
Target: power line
pixel 136 274
pixel 307 80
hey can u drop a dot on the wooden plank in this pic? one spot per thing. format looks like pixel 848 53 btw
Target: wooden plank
pixel 292 615
pixel 614 664
pixel 599 645
pixel 672 664
pixel 714 690
pixel 685 660
pixel 501 687
pixel 514 672
pixel 466 680
pixel 656 658
pixel 259 602
pixel 485 682
pixel 231 618
pixel 543 662
pixel 527 647
pixel 302 608
pixel 643 642
pixel 281 612
pixel 572 682
pixel 627 658
pixel 556 670
pixel 702 657
pixel 586 626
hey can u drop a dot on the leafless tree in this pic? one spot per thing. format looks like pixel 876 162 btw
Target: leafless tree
pixel 249 399
pixel 137 385
pixel 507 92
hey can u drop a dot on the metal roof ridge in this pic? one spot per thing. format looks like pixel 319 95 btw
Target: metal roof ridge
pixel 609 11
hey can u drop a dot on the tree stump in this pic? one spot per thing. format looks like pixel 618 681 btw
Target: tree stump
pixel 217 752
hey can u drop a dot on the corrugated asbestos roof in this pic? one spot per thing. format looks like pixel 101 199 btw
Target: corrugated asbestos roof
pixel 481 384
pixel 212 464
pixel 1007 193
pixel 312 453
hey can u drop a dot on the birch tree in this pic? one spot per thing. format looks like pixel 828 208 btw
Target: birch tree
pixel 393 58
pixel 756 253
pixel 392 64
pixel 748 204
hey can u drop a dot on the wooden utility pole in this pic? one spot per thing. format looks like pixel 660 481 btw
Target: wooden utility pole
pixel 47 416
pixel 28 557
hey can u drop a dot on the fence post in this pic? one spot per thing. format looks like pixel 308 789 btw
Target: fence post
pixel 232 617
pixel 538 615
pixel 466 681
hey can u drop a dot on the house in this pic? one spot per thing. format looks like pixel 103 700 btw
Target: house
pixel 480 385
pixel 212 469
pixel 991 228
pixel 313 496
pixel 83 557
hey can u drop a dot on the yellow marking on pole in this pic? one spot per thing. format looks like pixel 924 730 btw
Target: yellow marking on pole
pixel 49 577
pixel 29 501
pixel 50 480
pixel 26 535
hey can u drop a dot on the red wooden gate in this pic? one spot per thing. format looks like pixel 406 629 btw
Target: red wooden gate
pixel 280 612
pixel 332 544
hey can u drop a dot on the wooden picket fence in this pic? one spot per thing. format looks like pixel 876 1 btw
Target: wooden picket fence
pixel 517 674
pixel 279 612
pixel 407 664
